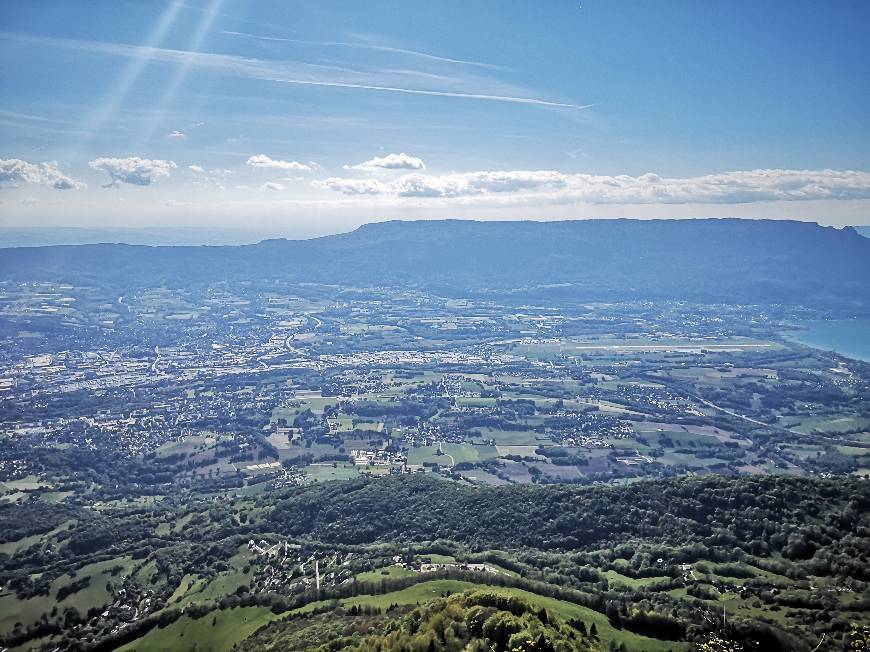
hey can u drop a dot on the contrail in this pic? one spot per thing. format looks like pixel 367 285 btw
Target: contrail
pixel 416 91
pixel 365 46
pixel 275 71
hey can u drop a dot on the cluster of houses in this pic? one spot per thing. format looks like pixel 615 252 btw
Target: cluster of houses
pixel 13 469
pixel 425 564
pixel 131 603
pixel 170 416
pixel 591 429
pixel 290 568
pixel 634 460
pixel 428 434
pixel 363 457
pixel 349 383
pixel 658 400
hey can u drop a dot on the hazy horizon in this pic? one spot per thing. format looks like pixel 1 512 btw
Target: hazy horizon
pixel 35 236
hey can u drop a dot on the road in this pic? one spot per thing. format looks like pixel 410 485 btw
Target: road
pixel 681 390
pixel 441 448
pixel 156 360
pixel 292 349
pixel 745 418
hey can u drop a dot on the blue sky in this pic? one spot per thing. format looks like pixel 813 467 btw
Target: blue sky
pixel 313 117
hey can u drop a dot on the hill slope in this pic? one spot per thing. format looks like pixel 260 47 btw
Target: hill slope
pixel 597 260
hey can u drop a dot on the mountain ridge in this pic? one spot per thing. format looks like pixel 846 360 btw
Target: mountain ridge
pixel 704 260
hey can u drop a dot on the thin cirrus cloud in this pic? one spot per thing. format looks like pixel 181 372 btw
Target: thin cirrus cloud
pixel 375 47
pixel 15 171
pixel 459 84
pixel 389 162
pixel 264 161
pixel 737 187
pixel 133 170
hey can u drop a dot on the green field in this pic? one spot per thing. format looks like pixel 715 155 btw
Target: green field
pixel 618 578
pixel 25 484
pixel 14 610
pixel 511 437
pixel 390 571
pixel 830 424
pixel 475 402
pixel 218 631
pixel 324 472
pixel 468 452
pixel 424 454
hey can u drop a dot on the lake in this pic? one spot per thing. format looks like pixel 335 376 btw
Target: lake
pixel 849 337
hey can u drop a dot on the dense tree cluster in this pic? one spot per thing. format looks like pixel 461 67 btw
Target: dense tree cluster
pixel 479 621
pixel 798 518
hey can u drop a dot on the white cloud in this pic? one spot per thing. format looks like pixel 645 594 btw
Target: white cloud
pixel 263 161
pixel 744 186
pixel 450 185
pixel 272 185
pixel 390 162
pixel 176 134
pixel 29 201
pixel 214 178
pixel 355 186
pixel 15 171
pixel 133 170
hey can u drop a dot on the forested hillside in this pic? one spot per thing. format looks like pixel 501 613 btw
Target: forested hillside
pixel 784 558
pixel 825 521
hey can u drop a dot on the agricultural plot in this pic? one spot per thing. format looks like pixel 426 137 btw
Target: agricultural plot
pixel 519 451
pixel 512 437
pixel 836 425
pixel 324 472
pixel 692 461
pixel 427 455
pixel 281 441
pixel 556 473
pixel 480 476
pixel 469 452
pixel 190 445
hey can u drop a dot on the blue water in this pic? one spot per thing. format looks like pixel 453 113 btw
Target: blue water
pixel 849 337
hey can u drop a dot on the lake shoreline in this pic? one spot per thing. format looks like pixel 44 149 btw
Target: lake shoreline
pixel 846 337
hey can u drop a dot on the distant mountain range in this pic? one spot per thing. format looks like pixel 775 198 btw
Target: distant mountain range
pixel 70 235
pixel 710 260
